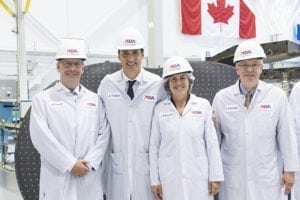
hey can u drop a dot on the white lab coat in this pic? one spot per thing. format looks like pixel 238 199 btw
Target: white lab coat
pixel 130 121
pixel 63 129
pixel 255 143
pixel 295 107
pixel 184 150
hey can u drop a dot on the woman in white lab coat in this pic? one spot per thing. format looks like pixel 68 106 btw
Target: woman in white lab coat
pixel 185 162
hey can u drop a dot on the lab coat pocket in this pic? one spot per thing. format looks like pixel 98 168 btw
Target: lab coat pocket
pixel 195 127
pixel 231 177
pixel 52 182
pixel 195 168
pixel 193 145
pixel 117 162
pixel 268 170
pixel 167 169
pixel 91 120
pixel 90 186
pixel 232 133
pixel 87 139
pixel 142 165
pixel 266 128
pixel 266 123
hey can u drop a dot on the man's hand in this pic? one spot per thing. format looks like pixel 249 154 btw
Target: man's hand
pixel 80 168
pixel 288 180
pixel 213 188
pixel 157 192
pixel 214 119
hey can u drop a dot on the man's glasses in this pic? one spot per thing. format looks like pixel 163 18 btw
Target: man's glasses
pixel 69 64
pixel 252 66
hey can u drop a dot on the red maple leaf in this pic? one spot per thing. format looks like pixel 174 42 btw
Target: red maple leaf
pixel 219 12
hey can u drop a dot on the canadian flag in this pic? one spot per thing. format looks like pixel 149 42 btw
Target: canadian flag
pixel 228 18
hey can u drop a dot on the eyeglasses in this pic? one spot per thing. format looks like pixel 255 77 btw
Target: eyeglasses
pixel 69 64
pixel 252 66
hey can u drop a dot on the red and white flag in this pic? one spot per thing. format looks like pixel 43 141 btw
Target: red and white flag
pixel 228 18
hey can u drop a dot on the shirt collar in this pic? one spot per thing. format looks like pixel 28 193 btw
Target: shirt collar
pixel 124 78
pixel 66 90
pixel 244 91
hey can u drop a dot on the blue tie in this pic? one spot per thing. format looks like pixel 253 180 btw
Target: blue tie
pixel 130 89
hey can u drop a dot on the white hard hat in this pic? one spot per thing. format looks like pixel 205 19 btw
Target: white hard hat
pixel 71 48
pixel 175 65
pixel 130 38
pixel 248 50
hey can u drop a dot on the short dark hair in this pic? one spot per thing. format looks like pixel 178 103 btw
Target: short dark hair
pixel 119 50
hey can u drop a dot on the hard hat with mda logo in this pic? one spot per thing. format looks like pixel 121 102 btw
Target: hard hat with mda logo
pixel 71 48
pixel 130 38
pixel 248 50
pixel 175 65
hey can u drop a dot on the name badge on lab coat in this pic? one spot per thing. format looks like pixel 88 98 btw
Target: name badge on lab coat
pixel 232 108
pixel 166 115
pixel 56 104
pixel 114 95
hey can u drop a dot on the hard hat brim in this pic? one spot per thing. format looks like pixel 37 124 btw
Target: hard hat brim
pixel 166 75
pixel 130 47
pixel 67 57
pixel 248 58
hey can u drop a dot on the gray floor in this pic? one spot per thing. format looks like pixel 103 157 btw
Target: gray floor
pixel 8 185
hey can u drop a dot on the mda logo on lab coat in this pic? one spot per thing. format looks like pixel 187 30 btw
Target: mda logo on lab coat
pixel 151 98
pixel 265 106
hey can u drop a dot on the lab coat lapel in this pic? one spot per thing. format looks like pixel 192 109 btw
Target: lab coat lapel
pixel 139 91
pixel 119 83
pixel 188 106
pixel 261 91
pixel 237 97
pixel 142 87
pixel 144 84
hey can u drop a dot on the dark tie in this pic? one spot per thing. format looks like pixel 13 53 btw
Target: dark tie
pixel 248 99
pixel 73 93
pixel 130 89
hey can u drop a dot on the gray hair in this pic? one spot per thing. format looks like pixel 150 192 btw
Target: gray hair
pixel 189 75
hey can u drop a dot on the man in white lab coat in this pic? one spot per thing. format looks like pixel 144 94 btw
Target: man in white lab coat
pixel 129 96
pixel 68 128
pixel 256 133
pixel 295 107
